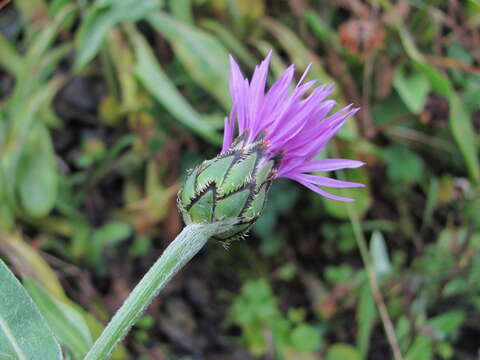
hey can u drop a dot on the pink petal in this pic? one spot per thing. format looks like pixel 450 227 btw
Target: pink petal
pixel 328 182
pixel 330 165
pixel 229 127
pixel 322 192
pixel 296 125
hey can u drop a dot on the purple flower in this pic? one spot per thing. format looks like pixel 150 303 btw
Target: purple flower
pixel 292 126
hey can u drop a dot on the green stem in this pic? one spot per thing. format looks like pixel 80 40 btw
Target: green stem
pixel 371 275
pixel 178 253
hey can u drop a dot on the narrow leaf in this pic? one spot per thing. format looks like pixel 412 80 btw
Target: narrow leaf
pixel 230 41
pixel 464 134
pixel 366 317
pixel 9 58
pixel 68 325
pixel 413 88
pixel 298 51
pixel 379 253
pixel 164 91
pixel 204 57
pixel 109 234
pixel 182 10
pixel 38 176
pixel 341 351
pixel 28 262
pixel 102 16
pixel 24 335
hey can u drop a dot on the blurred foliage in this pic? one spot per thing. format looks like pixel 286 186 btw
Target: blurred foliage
pixel 103 106
pixel 256 311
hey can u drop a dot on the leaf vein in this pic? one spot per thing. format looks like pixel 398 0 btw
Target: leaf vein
pixel 8 333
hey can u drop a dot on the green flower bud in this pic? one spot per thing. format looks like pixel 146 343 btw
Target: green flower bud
pixel 234 184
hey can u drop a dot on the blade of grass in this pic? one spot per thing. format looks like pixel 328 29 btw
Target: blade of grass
pixel 9 58
pixel 203 56
pixel 230 41
pixel 162 89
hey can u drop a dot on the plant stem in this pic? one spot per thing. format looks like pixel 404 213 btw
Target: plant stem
pixel 178 253
pixel 371 275
pixel 374 287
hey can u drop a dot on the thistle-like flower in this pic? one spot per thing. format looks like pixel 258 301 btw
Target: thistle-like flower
pixel 280 132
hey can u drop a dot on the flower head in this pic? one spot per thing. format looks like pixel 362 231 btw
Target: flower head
pixel 293 127
pixel 280 132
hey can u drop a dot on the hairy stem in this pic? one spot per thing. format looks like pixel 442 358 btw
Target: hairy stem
pixel 178 253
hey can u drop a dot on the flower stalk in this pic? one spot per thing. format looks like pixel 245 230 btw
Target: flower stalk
pixel 185 246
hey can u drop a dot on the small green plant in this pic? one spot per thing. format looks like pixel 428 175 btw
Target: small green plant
pixel 266 330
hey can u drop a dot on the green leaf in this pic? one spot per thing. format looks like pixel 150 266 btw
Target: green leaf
pixel 24 335
pixel 112 233
pixel 103 15
pixel 403 165
pixel 109 234
pixel 470 93
pixel 413 88
pixel 164 91
pixel 366 317
pixel 319 27
pixel 9 58
pixel 464 134
pixel 29 262
pixel 230 41
pixel 23 108
pixel 6 216
pixel 422 349
pixel 67 324
pixel 338 274
pixel 38 175
pixel 378 250
pixel 30 11
pixel 204 57
pixel 431 203
pixel 305 338
pixel 245 14
pixel 256 311
pixel 402 330
pixel 342 352
pixel 182 10
pixel 42 41
pixel 447 324
pixel 299 53
pixel 391 108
